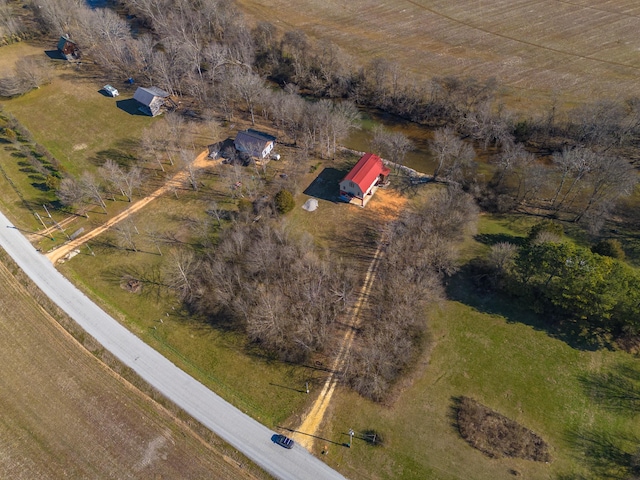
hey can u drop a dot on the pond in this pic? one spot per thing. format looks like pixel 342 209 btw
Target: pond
pixel 419 159
pixel 100 3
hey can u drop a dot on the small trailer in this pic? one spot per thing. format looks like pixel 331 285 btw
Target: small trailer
pixel 112 91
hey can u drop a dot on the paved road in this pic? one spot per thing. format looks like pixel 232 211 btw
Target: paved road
pixel 242 432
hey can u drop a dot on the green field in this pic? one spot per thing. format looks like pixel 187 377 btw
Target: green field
pixel 497 354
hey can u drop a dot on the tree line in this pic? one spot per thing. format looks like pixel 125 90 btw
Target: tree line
pixel 572 164
pixel 279 289
pixel 420 250
pixel 562 281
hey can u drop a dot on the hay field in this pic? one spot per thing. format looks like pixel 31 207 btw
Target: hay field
pixel 65 415
pixel 579 49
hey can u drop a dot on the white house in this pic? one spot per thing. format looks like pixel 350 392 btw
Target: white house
pixel 364 177
pixel 255 143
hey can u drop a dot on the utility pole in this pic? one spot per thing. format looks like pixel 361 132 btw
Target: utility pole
pixel 351 433
pixel 306 384
pixel 42 222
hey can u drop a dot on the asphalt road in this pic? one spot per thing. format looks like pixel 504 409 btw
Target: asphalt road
pixel 236 428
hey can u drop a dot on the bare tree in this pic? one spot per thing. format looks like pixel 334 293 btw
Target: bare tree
pixel 29 73
pixel 610 178
pixel 452 154
pixel 394 146
pixel 419 249
pixel 276 287
pixel 249 87
pixel 153 144
pixel 179 271
pixel 578 163
pixel 92 189
pixel 131 180
pixel 502 257
pixel 188 158
pixel 10 25
pixel 70 192
pixel 327 123
pixel 512 160
pixel 126 232
pixel 156 238
pixel 111 175
pixel 33 72
pixel 296 46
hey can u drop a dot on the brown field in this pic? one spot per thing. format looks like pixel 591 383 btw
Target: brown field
pixel 66 415
pixel 580 49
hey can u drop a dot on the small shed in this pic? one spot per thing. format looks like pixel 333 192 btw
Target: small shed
pixel 68 48
pixel 255 143
pixel 361 182
pixel 152 100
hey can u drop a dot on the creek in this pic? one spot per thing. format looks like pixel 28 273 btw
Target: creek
pixel 100 3
pixel 420 158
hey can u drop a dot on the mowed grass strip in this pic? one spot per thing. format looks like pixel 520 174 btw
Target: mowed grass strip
pixel 64 414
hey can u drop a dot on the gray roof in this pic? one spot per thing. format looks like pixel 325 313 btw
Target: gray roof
pixel 252 141
pixel 64 39
pixel 146 95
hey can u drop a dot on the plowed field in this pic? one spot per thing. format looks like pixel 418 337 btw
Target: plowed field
pixel 580 49
pixel 66 415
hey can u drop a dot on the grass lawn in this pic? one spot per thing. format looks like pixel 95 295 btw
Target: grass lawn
pixel 76 123
pixel 505 362
pixel 266 389
pixel 69 116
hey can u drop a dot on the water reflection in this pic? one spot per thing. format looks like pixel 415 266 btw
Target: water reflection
pixel 100 3
pixel 419 159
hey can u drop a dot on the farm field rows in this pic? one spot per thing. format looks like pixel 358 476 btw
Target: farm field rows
pixel 579 50
pixel 64 414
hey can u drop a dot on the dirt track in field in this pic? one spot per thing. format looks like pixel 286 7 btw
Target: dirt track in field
pixel 578 49
pixel 387 207
pixel 66 415
pixel 175 182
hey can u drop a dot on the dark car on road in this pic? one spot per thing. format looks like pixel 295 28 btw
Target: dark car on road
pixel 283 441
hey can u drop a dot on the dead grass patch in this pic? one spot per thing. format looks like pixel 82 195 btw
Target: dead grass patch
pixel 496 435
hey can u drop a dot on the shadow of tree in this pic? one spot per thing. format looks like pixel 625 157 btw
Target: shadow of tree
pixel 151 278
pixel 494 238
pixel 607 456
pixel 361 247
pixel 124 154
pixel 617 390
pixel 461 288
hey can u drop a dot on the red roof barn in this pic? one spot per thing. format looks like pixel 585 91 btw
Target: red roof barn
pixel 361 181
